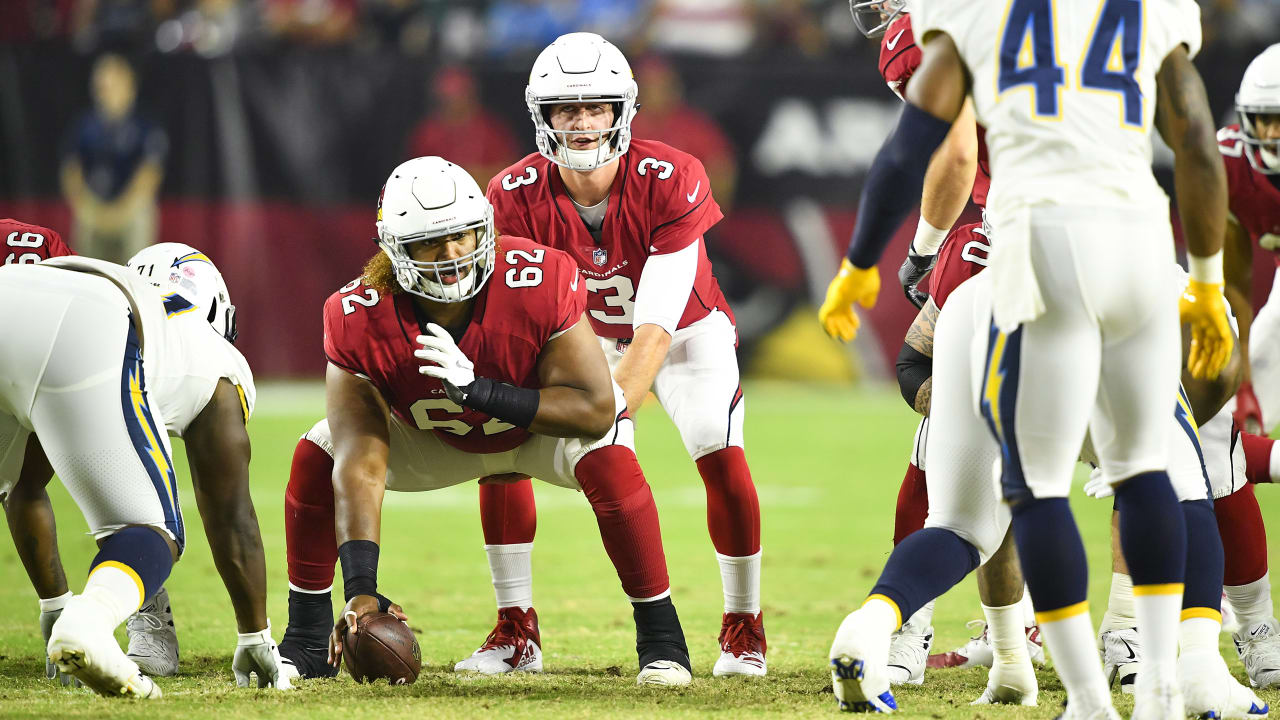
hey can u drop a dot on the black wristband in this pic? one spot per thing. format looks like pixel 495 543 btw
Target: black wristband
pixel 508 403
pixel 359 568
pixel 914 367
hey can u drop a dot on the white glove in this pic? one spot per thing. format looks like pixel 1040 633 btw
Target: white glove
pixel 450 365
pixel 1097 487
pixel 51 671
pixel 256 654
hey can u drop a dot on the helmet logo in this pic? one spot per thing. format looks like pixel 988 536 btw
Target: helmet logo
pixel 599 256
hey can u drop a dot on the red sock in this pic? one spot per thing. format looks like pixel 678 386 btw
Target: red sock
pixel 310 540
pixel 623 503
pixel 1244 537
pixel 733 511
pixel 1257 457
pixel 913 504
pixel 507 513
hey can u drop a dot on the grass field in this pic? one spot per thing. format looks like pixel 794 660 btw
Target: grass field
pixel 827 463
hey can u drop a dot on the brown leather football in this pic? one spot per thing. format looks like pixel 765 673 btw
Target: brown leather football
pixel 382 647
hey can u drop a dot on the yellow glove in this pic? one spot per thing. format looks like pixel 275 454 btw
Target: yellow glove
pixel 1203 308
pixel 852 284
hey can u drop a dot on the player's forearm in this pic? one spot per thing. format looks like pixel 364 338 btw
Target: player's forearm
pixel 236 544
pixel 357 503
pixel 35 536
pixel 949 179
pixel 1243 310
pixel 639 366
pixel 574 412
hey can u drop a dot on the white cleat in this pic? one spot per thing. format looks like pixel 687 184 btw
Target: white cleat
pixel 513 646
pixel 742 646
pixel 908 652
pixel 1010 684
pixel 1157 702
pixel 1209 690
pixel 83 645
pixel 1259 649
pixel 1121 658
pixel 858 675
pixel 978 652
pixel 1106 713
pixel 153 639
pixel 664 673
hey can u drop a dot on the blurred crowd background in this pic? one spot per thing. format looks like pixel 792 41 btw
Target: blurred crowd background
pixel 260 131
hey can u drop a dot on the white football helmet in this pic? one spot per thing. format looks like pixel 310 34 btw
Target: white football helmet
pixel 1260 94
pixel 430 197
pixel 181 270
pixel 873 16
pixel 579 67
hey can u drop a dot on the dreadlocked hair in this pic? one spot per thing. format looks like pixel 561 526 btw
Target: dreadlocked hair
pixel 380 275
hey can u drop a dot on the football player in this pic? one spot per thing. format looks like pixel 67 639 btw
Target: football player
pixel 25 243
pixel 97 417
pixel 457 355
pixel 632 213
pixel 1068 278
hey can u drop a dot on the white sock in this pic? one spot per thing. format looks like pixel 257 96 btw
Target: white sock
pixel 1028 610
pixel 1070 642
pixel 1008 633
pixel 921 619
pixel 1158 615
pixel 880 617
pixel 54 604
pixel 928 238
pixel 305 591
pixel 1119 614
pixel 511 567
pixel 740 577
pixel 117 590
pixel 1198 635
pixel 1274 464
pixel 1252 602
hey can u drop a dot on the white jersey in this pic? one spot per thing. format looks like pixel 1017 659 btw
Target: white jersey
pixel 1066 90
pixel 183 355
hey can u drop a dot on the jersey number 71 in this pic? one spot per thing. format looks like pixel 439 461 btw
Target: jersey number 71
pixel 1028 55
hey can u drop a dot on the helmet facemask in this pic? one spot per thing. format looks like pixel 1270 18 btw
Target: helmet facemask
pixel 554 144
pixel 429 279
pixel 874 16
pixel 1264 155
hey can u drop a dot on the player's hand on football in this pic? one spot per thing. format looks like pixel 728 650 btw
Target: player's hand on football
pixel 1248 413
pixel 912 272
pixel 1204 309
pixel 51 671
pixel 446 361
pixel 257 655
pixel 852 284
pixel 349 620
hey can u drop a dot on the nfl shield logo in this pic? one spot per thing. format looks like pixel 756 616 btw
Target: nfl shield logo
pixel 599 256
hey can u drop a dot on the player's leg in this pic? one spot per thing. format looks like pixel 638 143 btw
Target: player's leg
pixel 1038 407
pixel 909 649
pixel 1247 585
pixel 966 522
pixel 311 547
pixel 1264 357
pixel 609 475
pixel 104 438
pixel 698 385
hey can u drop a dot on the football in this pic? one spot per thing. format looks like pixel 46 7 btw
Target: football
pixel 382 647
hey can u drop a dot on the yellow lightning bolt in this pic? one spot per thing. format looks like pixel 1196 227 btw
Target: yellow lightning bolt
pixel 1186 411
pixel 154 448
pixel 995 381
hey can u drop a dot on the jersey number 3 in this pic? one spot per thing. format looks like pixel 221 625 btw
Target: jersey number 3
pixel 1028 55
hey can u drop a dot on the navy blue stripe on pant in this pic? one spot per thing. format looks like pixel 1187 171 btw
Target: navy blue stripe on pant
pixel 147 437
pixel 999 407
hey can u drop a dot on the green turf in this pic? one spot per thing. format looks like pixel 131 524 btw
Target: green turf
pixel 827 462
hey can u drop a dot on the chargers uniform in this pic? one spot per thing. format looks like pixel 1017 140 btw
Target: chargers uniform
pixel 1079 264
pixel 660 203
pixel 534 295
pixel 105 368
pixel 1254 202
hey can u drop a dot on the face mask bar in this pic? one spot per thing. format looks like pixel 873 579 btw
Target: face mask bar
pixel 426 279
pixel 553 144
pixel 1264 155
pixel 873 16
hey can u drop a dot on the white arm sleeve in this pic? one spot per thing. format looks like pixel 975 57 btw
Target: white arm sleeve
pixel 665 284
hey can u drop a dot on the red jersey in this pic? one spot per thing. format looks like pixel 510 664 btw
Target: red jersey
pixel 533 295
pixel 659 203
pixel 1254 198
pixel 27 243
pixel 899 58
pixel 964 254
